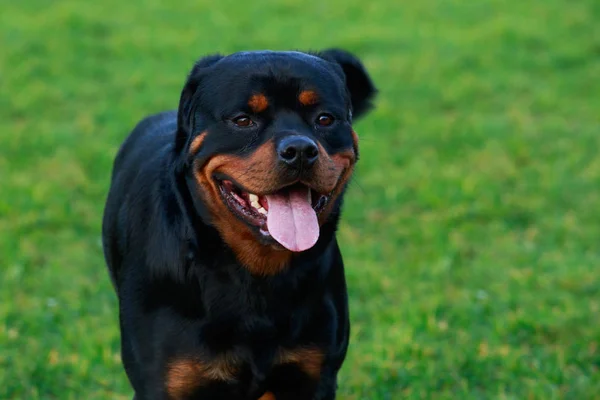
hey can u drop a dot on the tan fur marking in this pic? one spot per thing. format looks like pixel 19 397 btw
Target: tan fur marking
pixel 186 375
pixel 336 171
pixel 196 143
pixel 308 97
pixel 267 396
pixel 355 141
pixel 258 102
pixel 309 359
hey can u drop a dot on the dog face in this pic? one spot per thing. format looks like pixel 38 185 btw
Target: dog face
pixel 269 147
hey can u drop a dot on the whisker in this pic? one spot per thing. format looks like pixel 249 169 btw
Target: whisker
pixel 354 183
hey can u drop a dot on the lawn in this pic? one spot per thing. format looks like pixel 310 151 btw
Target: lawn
pixel 471 232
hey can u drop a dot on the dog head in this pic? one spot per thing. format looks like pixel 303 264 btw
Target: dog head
pixel 267 144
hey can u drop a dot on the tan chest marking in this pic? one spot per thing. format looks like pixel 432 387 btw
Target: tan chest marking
pixel 184 376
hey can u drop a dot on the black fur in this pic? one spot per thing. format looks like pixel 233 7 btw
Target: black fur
pixel 182 291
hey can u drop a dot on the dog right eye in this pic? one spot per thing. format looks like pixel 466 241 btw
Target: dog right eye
pixel 243 121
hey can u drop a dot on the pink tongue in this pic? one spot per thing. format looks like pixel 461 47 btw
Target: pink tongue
pixel 291 219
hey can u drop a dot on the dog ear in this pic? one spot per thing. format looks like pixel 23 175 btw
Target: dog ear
pixel 185 113
pixel 360 86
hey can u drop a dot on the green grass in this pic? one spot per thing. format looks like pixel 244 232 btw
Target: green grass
pixel 471 235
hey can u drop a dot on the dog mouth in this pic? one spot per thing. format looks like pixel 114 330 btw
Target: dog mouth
pixel 288 215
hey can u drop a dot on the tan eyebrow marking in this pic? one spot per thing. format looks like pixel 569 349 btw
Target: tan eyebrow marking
pixel 258 102
pixel 308 97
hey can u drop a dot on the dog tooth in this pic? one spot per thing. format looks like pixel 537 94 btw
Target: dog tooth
pixel 262 211
pixel 255 204
pixel 309 197
pixel 253 198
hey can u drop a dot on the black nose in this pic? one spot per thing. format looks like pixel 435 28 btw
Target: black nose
pixel 298 151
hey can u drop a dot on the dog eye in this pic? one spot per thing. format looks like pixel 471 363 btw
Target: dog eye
pixel 243 121
pixel 325 119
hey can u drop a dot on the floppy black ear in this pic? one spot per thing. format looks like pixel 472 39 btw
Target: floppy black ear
pixel 360 86
pixel 188 94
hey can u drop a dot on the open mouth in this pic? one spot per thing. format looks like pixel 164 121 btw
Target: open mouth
pixel 288 215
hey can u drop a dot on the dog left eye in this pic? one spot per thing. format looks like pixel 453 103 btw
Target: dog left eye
pixel 243 121
pixel 325 119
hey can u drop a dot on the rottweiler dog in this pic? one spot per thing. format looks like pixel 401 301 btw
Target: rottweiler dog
pixel 219 229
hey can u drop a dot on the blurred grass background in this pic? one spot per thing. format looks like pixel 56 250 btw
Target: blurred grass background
pixel 472 232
